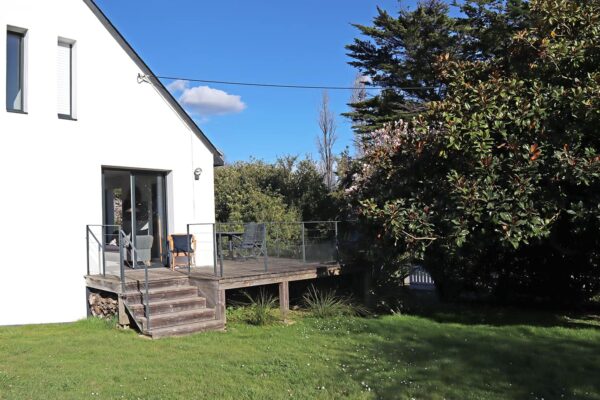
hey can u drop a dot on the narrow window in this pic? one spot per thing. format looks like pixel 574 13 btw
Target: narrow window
pixel 15 71
pixel 64 64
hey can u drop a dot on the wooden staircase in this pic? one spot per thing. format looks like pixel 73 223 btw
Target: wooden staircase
pixel 176 309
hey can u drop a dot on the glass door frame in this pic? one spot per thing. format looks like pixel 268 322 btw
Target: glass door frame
pixel 133 201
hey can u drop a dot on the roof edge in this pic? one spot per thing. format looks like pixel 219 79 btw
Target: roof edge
pixel 218 156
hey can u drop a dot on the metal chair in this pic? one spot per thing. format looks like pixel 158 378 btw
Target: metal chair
pixel 252 243
pixel 182 250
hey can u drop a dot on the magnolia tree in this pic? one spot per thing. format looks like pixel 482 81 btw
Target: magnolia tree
pixel 495 189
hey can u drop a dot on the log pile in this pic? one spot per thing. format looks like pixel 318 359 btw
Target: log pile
pixel 103 306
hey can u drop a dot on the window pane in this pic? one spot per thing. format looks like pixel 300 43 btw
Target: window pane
pixel 63 66
pixel 14 71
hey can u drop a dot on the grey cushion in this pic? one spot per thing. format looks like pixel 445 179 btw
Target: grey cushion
pixel 143 247
pixel 182 243
pixel 144 242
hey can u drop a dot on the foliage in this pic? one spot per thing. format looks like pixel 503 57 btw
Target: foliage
pixel 285 191
pixel 496 187
pixel 325 304
pixel 457 354
pixel 243 193
pixel 400 53
pixel 261 308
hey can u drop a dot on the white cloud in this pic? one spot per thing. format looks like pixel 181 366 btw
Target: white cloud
pixel 177 86
pixel 205 101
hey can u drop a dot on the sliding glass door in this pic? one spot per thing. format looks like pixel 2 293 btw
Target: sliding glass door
pixel 136 201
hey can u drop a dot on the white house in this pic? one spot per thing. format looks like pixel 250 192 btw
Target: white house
pixel 78 131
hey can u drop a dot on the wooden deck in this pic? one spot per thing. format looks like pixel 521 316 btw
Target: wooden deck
pixel 252 272
pixel 211 287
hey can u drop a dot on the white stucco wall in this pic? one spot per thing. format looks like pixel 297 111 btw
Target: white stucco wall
pixel 50 169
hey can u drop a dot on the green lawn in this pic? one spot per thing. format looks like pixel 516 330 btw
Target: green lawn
pixel 457 355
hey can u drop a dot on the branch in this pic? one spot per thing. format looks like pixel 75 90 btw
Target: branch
pixel 418 238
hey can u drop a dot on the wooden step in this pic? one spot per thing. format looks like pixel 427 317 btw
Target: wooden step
pixel 113 284
pixel 168 306
pixel 162 294
pixel 177 318
pixel 187 329
pixel 139 285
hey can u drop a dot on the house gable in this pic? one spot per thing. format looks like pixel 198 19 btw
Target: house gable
pixel 218 156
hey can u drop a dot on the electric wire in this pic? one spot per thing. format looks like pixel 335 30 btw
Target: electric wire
pixel 289 86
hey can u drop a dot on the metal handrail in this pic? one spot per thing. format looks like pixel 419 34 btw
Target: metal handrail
pixel 122 238
pixel 101 249
pixel 87 242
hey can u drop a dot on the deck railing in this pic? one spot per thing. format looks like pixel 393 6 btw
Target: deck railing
pixel 301 242
pixel 103 243
pixel 98 243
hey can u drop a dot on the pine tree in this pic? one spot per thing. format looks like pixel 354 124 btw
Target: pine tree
pixel 401 54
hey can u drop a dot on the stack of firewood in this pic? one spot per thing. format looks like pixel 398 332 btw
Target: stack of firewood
pixel 103 307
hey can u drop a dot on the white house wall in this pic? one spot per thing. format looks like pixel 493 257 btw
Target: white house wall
pixel 50 169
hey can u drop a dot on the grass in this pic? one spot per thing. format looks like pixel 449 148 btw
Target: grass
pixel 454 354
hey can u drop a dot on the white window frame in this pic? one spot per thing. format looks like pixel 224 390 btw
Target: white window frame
pixel 73 46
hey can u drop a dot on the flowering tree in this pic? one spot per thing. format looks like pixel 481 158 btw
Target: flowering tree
pixel 496 188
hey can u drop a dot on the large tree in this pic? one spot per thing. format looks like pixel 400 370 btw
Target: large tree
pixel 399 53
pixel 495 188
pixel 326 141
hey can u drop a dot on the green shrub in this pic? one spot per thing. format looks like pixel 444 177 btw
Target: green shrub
pixel 261 308
pixel 323 304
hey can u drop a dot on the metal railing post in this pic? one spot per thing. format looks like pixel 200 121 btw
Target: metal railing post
pixel 189 256
pixel 100 259
pixel 102 241
pixel 122 259
pixel 103 261
pixel 266 250
pixel 87 246
pixel 147 296
pixel 133 250
pixel 337 244
pixel 303 245
pixel 221 253
pixel 277 242
pixel 215 255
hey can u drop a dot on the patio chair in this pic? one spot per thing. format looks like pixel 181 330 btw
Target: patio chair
pixel 182 250
pixel 252 243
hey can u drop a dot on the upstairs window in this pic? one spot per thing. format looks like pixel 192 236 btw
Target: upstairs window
pixel 15 71
pixel 64 67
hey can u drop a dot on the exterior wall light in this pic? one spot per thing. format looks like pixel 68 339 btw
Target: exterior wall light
pixel 197 173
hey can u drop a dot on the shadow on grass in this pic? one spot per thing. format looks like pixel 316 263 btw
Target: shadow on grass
pixel 426 305
pixel 420 358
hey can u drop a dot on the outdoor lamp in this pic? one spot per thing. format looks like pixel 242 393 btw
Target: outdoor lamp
pixel 197 173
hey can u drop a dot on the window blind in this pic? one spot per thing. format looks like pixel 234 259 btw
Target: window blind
pixel 64 80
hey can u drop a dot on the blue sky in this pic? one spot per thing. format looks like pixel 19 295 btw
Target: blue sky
pixel 270 41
